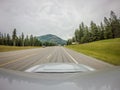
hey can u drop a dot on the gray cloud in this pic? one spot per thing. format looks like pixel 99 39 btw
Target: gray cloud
pixel 59 17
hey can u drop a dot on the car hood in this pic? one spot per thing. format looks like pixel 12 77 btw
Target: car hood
pixel 60 67
pixel 108 79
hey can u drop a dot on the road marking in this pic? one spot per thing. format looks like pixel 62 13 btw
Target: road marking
pixel 71 56
pixel 49 56
pixel 16 60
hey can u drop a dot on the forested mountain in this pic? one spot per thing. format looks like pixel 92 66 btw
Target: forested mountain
pixel 22 40
pixel 52 39
pixel 109 28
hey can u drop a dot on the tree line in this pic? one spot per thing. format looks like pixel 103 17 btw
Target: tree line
pixel 107 30
pixel 22 40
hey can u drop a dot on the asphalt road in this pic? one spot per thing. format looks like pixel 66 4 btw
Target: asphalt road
pixel 24 59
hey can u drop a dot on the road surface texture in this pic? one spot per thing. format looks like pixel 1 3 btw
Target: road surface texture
pixel 24 59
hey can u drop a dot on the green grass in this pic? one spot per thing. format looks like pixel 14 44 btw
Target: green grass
pixel 106 50
pixel 13 48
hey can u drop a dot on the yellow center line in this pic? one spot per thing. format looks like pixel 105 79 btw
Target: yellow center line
pixel 16 60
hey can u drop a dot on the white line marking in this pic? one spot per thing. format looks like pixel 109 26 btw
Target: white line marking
pixel 71 56
pixel 49 56
pixel 91 69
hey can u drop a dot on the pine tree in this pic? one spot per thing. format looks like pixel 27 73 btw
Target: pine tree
pixel 8 39
pixel 102 31
pixel 94 31
pixel 5 39
pixel 77 35
pixel 0 38
pixel 73 39
pixel 69 42
pixel 86 36
pixel 81 30
pixel 108 32
pixel 115 25
pixel 31 40
pixel 27 43
pixel 22 37
pixel 14 37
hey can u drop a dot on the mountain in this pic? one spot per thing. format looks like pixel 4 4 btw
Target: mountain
pixel 52 38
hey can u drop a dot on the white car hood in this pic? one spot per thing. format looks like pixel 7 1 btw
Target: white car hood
pixel 97 80
pixel 60 67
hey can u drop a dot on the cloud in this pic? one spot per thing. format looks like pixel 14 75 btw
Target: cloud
pixel 59 17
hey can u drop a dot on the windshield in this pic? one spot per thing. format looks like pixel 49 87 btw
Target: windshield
pixel 59 36
pixel 59 44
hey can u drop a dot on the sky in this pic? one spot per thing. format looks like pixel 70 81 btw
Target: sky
pixel 58 17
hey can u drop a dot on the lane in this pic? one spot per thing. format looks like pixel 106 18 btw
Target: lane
pixel 89 61
pixel 39 56
pixel 59 56
pixel 24 59
pixel 9 56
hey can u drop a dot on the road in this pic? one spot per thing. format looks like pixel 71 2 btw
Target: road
pixel 24 59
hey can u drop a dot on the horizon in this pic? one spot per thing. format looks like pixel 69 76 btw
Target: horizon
pixel 59 18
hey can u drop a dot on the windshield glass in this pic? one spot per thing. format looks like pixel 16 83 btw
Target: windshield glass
pixel 59 35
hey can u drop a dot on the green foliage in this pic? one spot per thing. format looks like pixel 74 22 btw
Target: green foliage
pixel 22 39
pixel 115 25
pixel 106 50
pixel 77 35
pixel 18 40
pixel 110 29
pixel 108 32
pixel 14 37
pixel 6 39
pixel 69 42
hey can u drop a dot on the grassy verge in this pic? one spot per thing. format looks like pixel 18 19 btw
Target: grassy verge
pixel 13 48
pixel 106 50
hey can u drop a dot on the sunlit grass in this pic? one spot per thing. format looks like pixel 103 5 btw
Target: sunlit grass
pixel 13 48
pixel 106 50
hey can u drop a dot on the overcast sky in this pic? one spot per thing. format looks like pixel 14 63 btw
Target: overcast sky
pixel 58 17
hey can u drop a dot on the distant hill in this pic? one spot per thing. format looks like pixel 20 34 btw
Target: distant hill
pixel 51 38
